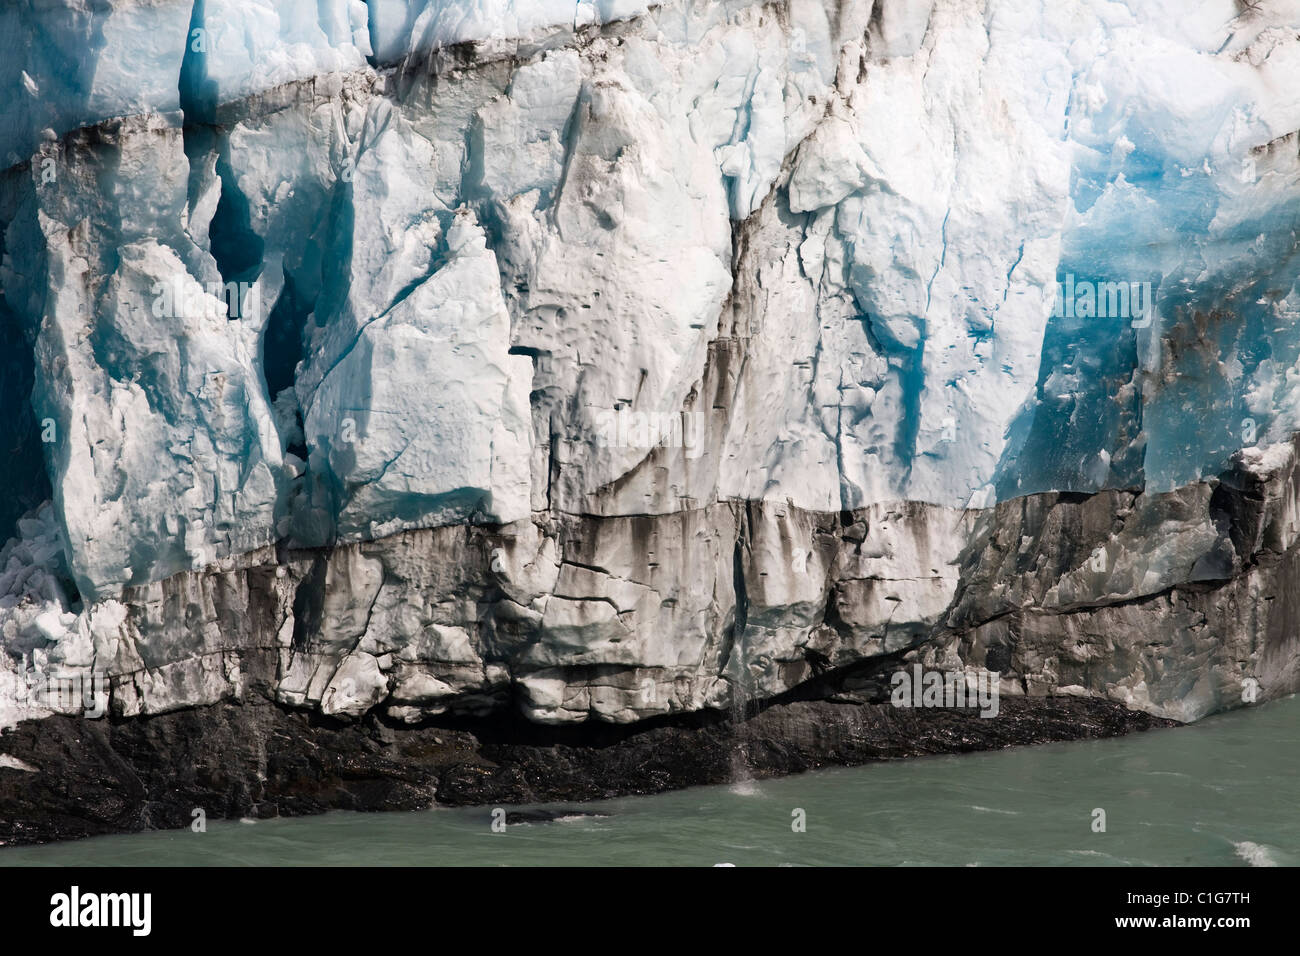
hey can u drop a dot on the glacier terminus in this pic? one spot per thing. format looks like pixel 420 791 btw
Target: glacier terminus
pixel 604 367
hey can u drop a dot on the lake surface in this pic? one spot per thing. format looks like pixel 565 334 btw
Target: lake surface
pixel 1225 791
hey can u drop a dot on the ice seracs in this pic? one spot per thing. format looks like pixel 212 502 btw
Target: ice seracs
pixel 424 419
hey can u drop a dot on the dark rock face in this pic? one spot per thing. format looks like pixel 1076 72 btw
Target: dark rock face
pixel 93 777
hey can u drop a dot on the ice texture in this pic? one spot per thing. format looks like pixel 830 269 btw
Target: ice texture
pixel 70 63
pixel 513 259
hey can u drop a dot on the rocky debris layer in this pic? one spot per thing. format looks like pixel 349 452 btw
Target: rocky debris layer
pixel 1177 604
pixel 259 760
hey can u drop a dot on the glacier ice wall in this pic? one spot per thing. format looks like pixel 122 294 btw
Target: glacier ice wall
pixel 289 276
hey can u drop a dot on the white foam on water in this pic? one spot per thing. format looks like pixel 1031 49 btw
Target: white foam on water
pixel 1256 854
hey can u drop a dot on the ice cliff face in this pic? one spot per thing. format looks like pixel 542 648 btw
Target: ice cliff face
pixel 608 360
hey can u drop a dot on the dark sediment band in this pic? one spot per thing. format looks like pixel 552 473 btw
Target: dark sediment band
pixel 258 759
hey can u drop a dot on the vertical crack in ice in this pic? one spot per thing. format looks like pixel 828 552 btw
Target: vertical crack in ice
pixel 234 244
pixel 734 639
pixel 24 481
pixel 943 258
pixel 309 602
pixel 372 32
pixel 198 92
pixel 1019 258
pixel 282 342
pixel 911 372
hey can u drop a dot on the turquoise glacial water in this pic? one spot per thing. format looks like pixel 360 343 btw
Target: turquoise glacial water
pixel 1225 791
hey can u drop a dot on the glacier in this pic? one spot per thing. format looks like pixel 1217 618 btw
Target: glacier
pixel 809 252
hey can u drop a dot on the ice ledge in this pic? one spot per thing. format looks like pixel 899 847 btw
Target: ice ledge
pixel 66 64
